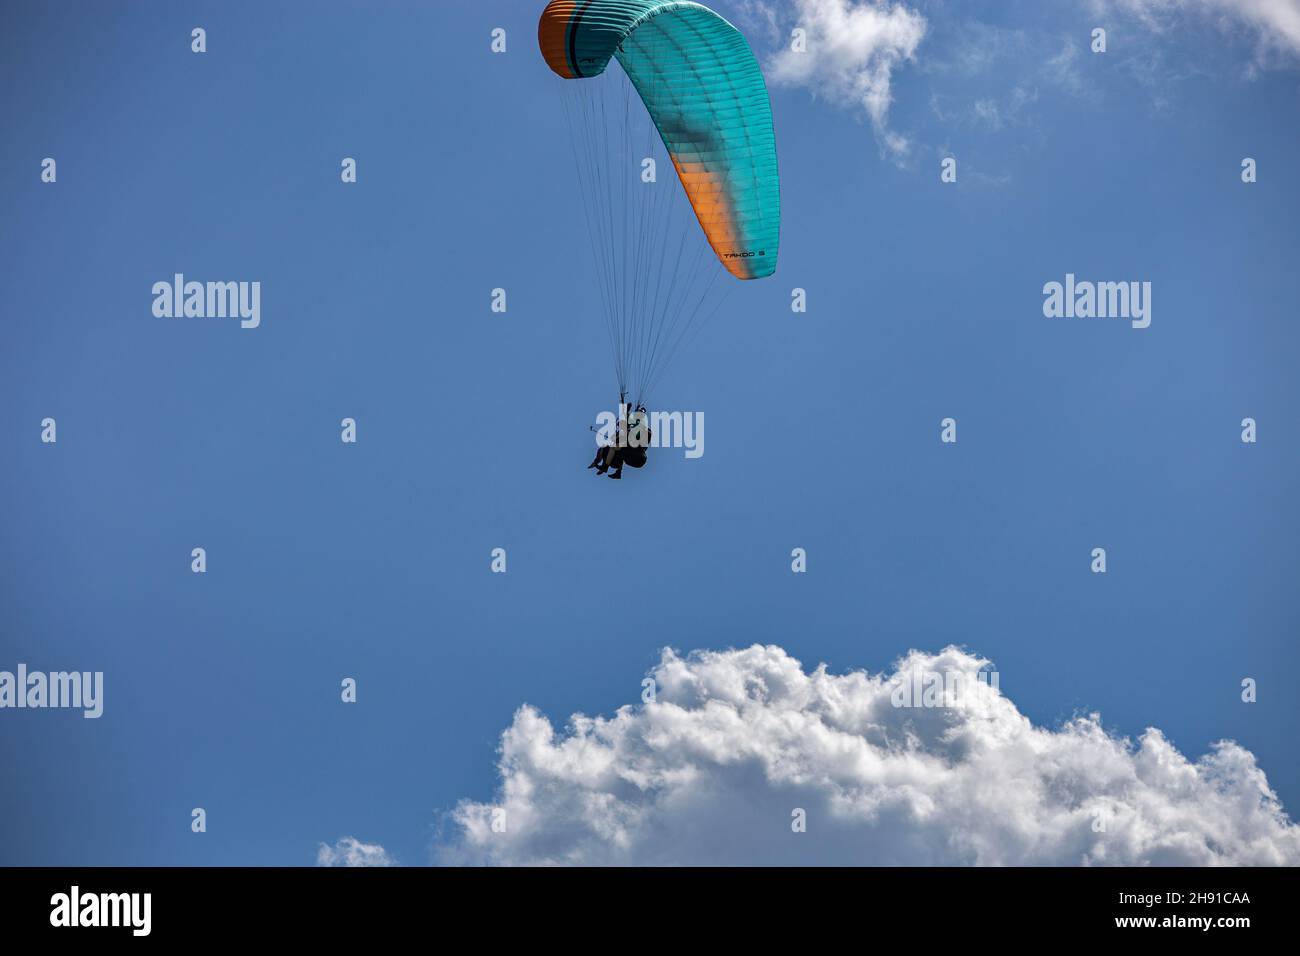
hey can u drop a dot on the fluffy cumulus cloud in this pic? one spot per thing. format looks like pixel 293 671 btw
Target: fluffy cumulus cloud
pixel 352 852
pixel 715 768
pixel 852 50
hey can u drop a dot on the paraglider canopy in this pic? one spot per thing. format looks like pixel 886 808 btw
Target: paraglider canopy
pixel 703 89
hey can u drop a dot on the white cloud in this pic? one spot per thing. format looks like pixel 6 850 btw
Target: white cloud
pixel 1063 69
pixel 987 112
pixel 1275 24
pixel 737 739
pixel 853 47
pixel 352 852
pixel 972 47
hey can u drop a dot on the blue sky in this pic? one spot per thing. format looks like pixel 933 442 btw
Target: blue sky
pixel 371 560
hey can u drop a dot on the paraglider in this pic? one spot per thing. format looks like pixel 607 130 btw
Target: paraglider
pixel 627 444
pixel 705 106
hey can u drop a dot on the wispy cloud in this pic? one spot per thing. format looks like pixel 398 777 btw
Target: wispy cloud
pixel 967 48
pixel 738 740
pixel 350 851
pixel 996 113
pixel 1274 25
pixel 1063 69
